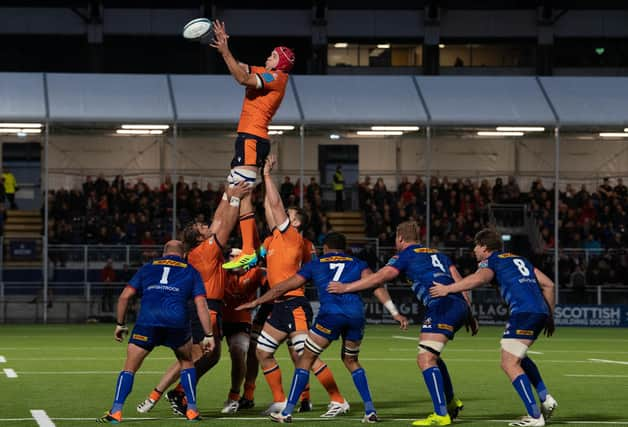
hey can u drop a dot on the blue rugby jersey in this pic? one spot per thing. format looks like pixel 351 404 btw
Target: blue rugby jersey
pixel 166 285
pixel 422 266
pixel 517 282
pixel 336 267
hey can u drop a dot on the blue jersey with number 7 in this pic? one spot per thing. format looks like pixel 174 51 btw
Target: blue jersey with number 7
pixel 336 267
pixel 517 282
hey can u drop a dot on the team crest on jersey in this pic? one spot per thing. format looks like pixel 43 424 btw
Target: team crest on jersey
pixel 269 77
pixel 507 255
pixel 427 323
pixel 393 260
pixel 170 263
pixel 425 251
pixel 336 259
pixel 483 264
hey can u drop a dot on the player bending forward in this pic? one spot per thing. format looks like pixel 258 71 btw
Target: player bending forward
pixel 339 316
pixel 530 296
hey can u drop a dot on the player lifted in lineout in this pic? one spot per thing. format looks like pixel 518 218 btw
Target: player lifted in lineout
pixel 265 89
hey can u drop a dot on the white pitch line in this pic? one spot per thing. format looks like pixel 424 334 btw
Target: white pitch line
pixel 2 359
pixel 399 337
pixel 617 362
pixel 596 376
pixel 43 420
pixel 10 373
pixel 534 352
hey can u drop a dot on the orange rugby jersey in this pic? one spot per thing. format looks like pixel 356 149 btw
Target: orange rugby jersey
pixel 207 259
pixel 240 290
pixel 260 105
pixel 284 255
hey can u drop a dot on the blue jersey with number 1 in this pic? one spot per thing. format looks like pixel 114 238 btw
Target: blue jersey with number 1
pixel 422 266
pixel 517 282
pixel 166 285
pixel 336 267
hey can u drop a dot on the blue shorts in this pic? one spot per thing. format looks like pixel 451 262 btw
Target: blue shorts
pixel 293 314
pixel 149 337
pixel 332 325
pixel 525 326
pixel 445 316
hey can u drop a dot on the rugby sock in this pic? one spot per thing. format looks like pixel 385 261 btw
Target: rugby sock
pixel 306 393
pixel 300 379
pixel 123 388
pixel 179 389
pixel 326 378
pixel 155 395
pixel 534 375
pixel 434 381
pixel 233 395
pixel 248 230
pixel 273 378
pixel 188 380
pixel 359 379
pixel 523 387
pixel 249 391
pixel 447 385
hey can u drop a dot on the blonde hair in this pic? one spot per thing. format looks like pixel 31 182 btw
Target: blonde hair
pixel 409 231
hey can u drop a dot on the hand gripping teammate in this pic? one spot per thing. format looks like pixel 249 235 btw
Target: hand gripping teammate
pixel 166 285
pixel 530 296
pixel 442 319
pixel 265 89
pixel 339 316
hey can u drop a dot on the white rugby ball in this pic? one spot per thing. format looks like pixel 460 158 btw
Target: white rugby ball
pixel 197 28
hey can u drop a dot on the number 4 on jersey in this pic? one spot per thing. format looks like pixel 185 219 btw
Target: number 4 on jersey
pixel 436 263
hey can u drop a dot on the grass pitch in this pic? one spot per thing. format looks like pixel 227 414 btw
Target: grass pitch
pixel 69 371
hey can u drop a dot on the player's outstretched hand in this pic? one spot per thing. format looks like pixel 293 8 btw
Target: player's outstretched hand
pixel 550 327
pixel 335 288
pixel 269 164
pixel 240 190
pixel 403 321
pixel 220 41
pixel 247 306
pixel 438 290
pixel 120 332
pixel 208 344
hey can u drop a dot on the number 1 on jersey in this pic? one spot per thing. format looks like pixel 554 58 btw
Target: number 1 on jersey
pixel 339 269
pixel 164 276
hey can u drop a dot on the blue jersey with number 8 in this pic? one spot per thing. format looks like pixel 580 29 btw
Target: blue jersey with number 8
pixel 517 282
pixel 336 267
pixel 166 285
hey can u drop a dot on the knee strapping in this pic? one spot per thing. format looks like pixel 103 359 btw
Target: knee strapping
pixel 351 351
pixel 434 347
pixel 241 174
pixel 514 347
pixel 267 343
pixel 313 347
pixel 296 343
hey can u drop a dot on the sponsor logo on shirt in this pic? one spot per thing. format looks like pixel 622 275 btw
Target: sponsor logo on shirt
pixel 162 288
pixel 507 255
pixel 524 332
pixel 445 327
pixel 140 337
pixel 170 263
pixel 425 251
pixel 323 329
pixel 336 259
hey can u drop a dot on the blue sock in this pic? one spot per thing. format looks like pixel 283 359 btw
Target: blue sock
pixel 361 383
pixel 434 381
pixel 447 385
pixel 123 388
pixel 188 381
pixel 300 379
pixel 524 388
pixel 534 375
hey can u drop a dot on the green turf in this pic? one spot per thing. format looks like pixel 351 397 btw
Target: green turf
pixel 40 355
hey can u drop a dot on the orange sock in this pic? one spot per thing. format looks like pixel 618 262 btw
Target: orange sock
pixel 326 378
pixel 117 415
pixel 249 391
pixel 273 378
pixel 305 395
pixel 233 396
pixel 155 395
pixel 248 231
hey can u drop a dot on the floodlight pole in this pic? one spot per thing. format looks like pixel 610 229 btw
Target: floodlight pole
pixel 428 191
pixel 175 157
pixel 301 160
pixel 44 245
pixel 556 201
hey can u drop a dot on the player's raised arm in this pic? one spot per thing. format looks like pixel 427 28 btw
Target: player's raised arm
pixel 275 210
pixel 226 215
pixel 239 73
pixel 383 275
pixel 480 277
pixel 281 288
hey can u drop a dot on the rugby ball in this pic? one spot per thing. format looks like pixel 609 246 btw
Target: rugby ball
pixel 197 28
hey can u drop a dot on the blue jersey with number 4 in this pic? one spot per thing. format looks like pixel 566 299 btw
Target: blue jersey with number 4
pixel 166 285
pixel 517 282
pixel 422 266
pixel 336 267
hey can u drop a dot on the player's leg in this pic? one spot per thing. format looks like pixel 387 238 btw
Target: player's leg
pixel 295 354
pixel 141 343
pixel 519 335
pixel 238 343
pixel 188 376
pixel 252 365
pixel 548 403
pixel 350 352
pixel 269 340
pixel 313 346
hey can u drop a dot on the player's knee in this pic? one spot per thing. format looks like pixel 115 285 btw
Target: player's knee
pixel 239 345
pixel 266 346
pixel 296 343
pixel 313 347
pixel 242 174
pixel 429 352
pixel 426 360
pixel 513 347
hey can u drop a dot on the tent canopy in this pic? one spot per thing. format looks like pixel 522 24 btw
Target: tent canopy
pixel 22 97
